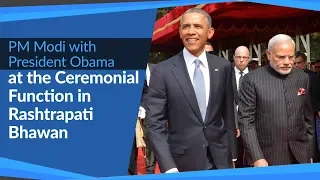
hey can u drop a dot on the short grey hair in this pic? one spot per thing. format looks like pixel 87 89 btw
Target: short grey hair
pixel 279 38
pixel 200 11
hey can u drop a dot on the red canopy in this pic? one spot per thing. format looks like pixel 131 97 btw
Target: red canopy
pixel 237 23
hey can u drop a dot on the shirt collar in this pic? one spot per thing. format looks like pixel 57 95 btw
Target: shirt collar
pixel 189 58
pixel 237 71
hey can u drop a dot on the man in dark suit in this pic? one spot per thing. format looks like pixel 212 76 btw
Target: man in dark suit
pixel 150 159
pixel 316 66
pixel 317 94
pixel 241 58
pixel 209 48
pixel 316 106
pixel 191 122
pixel 300 62
pixel 275 113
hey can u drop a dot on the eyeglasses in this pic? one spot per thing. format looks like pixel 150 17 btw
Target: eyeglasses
pixel 242 57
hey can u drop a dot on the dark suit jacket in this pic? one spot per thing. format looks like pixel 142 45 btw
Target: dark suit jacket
pixel 316 92
pixel 310 73
pixel 316 108
pixel 312 77
pixel 234 86
pixel 144 94
pixel 145 89
pixel 235 95
pixel 273 119
pixel 172 100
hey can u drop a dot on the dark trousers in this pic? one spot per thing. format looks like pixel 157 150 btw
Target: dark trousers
pixel 316 156
pixel 150 159
pixel 132 170
pixel 293 159
pixel 241 160
pixel 209 161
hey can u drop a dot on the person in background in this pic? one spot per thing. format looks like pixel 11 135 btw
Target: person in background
pixel 300 62
pixel 132 170
pixel 253 64
pixel 241 60
pixel 190 107
pixel 316 108
pixel 150 159
pixel 316 66
pixel 209 48
pixel 316 96
pixel 137 141
pixel 275 114
pixel 141 137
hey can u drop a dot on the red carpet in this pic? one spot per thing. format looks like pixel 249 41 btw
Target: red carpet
pixel 141 163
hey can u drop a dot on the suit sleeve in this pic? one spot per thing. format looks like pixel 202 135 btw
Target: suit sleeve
pixel 236 115
pixel 309 119
pixel 157 119
pixel 229 116
pixel 316 92
pixel 246 113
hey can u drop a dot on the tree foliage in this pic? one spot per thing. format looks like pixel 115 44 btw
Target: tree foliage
pixel 163 11
pixel 315 46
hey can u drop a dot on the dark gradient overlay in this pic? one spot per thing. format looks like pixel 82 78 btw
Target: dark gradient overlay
pixel 129 54
pixel 9 3
pixel 12 178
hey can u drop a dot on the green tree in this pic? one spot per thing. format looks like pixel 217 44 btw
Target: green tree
pixel 163 11
pixel 315 46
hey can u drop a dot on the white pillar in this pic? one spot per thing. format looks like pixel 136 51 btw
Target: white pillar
pixel 225 54
pixel 257 49
pixel 306 44
pixel 297 43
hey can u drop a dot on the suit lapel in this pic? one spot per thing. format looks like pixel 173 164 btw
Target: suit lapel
pixel 214 80
pixel 234 85
pixel 181 74
pixel 150 67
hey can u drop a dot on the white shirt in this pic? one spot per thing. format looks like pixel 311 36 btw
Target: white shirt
pixel 148 75
pixel 237 73
pixel 190 62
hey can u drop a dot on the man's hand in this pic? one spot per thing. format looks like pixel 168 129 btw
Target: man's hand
pixel 319 113
pixel 260 163
pixel 238 132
